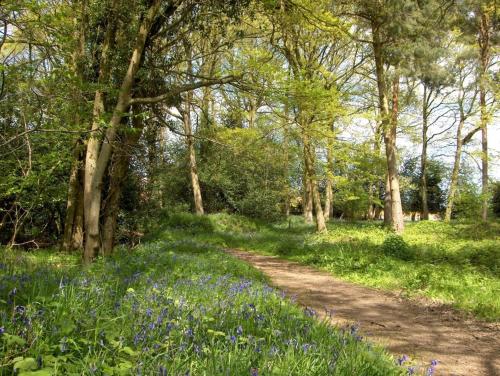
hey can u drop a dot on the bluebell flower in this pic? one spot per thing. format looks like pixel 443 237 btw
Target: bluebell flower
pixel 239 330
pixel 254 372
pixel 402 360
pixel 309 312
pixel 273 350
pixel 189 333
pixel 306 347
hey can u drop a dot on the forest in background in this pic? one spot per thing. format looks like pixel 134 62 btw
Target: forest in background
pixel 114 111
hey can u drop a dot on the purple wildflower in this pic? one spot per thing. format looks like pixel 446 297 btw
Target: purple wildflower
pixel 402 359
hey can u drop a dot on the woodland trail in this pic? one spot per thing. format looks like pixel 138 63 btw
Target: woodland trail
pixel 463 346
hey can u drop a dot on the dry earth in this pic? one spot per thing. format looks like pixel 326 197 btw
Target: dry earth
pixel 463 346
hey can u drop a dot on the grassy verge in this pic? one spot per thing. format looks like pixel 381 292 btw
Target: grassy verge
pixel 451 263
pixel 170 307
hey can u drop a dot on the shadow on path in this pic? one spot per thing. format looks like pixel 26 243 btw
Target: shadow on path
pixel 462 346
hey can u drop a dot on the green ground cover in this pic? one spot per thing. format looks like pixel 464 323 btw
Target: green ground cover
pixel 169 307
pixel 454 263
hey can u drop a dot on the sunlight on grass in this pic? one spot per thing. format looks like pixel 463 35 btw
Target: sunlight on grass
pixel 176 307
pixel 457 263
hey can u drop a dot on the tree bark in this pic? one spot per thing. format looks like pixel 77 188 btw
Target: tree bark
pixel 308 199
pixel 397 218
pixel 327 212
pixel 99 153
pixel 456 169
pixel 387 202
pixel 193 171
pixel 309 159
pixel 484 46
pixel 73 226
pixel 117 173
pixel 389 126
pixel 423 157
pixel 286 162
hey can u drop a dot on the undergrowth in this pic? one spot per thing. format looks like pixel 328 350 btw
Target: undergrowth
pixel 454 263
pixel 169 307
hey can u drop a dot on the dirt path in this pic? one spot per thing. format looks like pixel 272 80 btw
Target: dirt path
pixel 462 346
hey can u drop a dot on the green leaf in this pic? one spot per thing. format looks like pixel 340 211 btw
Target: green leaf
pixel 13 340
pixel 67 326
pixel 129 351
pixel 27 364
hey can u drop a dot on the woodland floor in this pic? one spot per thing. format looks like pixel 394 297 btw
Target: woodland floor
pixel 418 328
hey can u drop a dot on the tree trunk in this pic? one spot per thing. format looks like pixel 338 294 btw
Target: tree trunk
pixel 423 158
pixel 308 199
pixel 99 154
pixel 73 224
pixel 193 171
pixel 484 46
pixel 456 169
pixel 484 157
pixel 389 125
pixel 387 202
pixel 286 162
pixel 397 218
pixel 73 228
pixel 309 159
pixel 329 181
pixel 118 171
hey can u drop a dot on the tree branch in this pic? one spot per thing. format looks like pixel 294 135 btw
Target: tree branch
pixel 175 91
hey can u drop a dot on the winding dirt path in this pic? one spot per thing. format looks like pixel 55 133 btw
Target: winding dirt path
pixel 462 346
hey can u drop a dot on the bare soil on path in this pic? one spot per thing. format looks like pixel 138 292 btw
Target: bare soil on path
pixel 463 346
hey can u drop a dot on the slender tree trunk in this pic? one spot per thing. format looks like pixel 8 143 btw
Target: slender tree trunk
pixel 389 128
pixel 117 174
pixel 99 154
pixel 456 169
pixel 484 46
pixel 308 199
pixel 423 158
pixel 286 162
pixel 252 113
pixel 118 170
pixel 193 171
pixel 387 202
pixel 188 130
pixel 392 166
pixel 73 231
pixel 484 157
pixel 329 181
pixel 73 224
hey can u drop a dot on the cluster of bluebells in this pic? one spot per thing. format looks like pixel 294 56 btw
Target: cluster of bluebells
pixel 413 370
pixel 160 312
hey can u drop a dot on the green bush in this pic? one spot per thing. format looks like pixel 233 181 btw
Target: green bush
pixel 187 221
pixel 395 246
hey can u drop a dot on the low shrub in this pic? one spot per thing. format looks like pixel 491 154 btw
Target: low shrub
pixel 395 246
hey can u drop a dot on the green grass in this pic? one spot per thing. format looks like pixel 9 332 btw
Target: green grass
pixel 169 307
pixel 451 263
